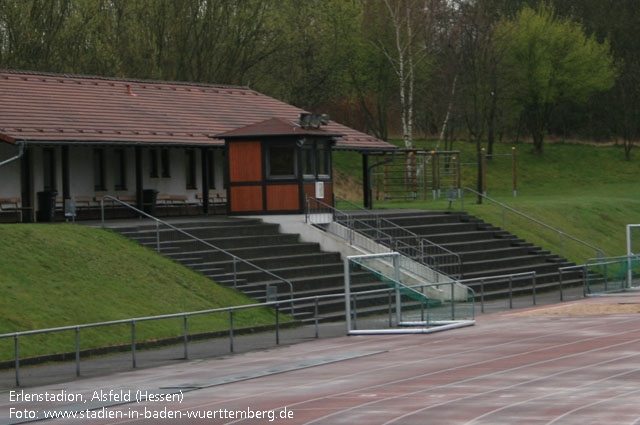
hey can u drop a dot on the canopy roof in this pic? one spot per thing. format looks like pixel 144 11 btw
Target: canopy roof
pixel 72 109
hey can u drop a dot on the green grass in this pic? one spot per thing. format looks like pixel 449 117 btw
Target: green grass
pixel 586 191
pixel 59 275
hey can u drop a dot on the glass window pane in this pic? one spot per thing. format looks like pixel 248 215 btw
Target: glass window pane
pixel 282 161
pixel 324 159
pixel 308 161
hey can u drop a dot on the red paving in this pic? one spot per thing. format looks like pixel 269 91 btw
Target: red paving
pixel 508 369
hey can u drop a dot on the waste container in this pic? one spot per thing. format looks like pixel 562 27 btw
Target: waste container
pixel 46 206
pixel 149 197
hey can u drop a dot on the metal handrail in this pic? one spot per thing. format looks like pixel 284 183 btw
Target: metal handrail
pixel 195 238
pixel 379 219
pixel 599 252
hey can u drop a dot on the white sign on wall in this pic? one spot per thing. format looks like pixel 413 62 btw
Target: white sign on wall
pixel 319 190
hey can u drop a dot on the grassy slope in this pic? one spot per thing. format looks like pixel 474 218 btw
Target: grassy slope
pixel 57 275
pixel 586 191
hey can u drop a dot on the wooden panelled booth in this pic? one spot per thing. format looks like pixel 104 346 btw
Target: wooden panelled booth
pixel 273 165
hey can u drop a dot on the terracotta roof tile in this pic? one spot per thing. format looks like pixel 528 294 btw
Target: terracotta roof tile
pixel 43 107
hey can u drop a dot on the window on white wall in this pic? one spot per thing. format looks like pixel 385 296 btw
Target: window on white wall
pixel 98 170
pixel 49 168
pixel 153 163
pixel 120 169
pixel 165 162
pixel 190 157
pixel 211 165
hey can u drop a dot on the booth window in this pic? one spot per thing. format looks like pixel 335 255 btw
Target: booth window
pixel 190 157
pixel 98 169
pixel 308 161
pixel 324 159
pixel 316 157
pixel 281 162
pixel 120 171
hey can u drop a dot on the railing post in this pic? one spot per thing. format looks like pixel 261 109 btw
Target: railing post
pixel 510 291
pixel 235 274
pixel 453 302
pixel 482 296
pixel 277 324
pixel 102 211
pixel 534 288
pixel 186 337
pixel 347 295
pixel 316 318
pixel 390 315
pixel 133 344
pixel 231 331
pixel 355 312
pixel 157 236
pixel 560 283
pixel 16 350
pixel 77 351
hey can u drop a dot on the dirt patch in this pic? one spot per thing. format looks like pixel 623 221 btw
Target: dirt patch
pixel 585 309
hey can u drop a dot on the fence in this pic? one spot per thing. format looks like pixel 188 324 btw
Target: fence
pixel 545 235
pixel 614 274
pixel 377 231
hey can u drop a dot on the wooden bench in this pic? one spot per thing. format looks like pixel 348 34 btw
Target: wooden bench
pixel 11 205
pixel 217 200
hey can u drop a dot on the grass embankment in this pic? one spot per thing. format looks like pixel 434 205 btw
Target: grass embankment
pixel 59 275
pixel 585 191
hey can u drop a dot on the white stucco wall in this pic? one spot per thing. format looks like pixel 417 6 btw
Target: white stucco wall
pixel 9 173
pixel 82 177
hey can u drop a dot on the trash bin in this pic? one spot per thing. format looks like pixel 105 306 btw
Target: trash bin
pixel 46 206
pixel 149 197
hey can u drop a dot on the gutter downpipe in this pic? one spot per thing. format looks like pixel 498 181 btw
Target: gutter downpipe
pixel 18 156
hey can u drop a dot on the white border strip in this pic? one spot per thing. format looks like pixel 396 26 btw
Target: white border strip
pixel 444 327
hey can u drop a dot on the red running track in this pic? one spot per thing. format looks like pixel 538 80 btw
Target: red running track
pixel 508 369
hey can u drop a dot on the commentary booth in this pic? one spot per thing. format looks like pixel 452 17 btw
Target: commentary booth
pixel 273 165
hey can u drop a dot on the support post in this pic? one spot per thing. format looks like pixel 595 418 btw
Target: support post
pixel 133 344
pixel 77 351
pixel 16 348
pixel 347 295
pixel 513 167
pixel 139 178
pixel 186 337
pixel 231 331
pixel 366 182
pixel 484 171
pixel 204 153
pixel 66 185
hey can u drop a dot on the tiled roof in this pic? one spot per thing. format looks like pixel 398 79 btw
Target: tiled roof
pixel 43 107
pixel 275 127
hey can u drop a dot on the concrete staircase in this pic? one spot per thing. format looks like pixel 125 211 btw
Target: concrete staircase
pixel 311 271
pixel 487 250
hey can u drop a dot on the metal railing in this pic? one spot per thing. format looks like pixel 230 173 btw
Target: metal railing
pixel 505 208
pixel 132 322
pixel 390 234
pixel 235 259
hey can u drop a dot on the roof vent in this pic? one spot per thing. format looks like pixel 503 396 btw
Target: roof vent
pixel 313 121
pixel 129 91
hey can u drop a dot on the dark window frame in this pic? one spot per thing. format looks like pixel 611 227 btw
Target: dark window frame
pixel 165 163
pixel 49 169
pixel 153 157
pixel 120 170
pixel 211 168
pixel 99 180
pixel 270 165
pixel 190 169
